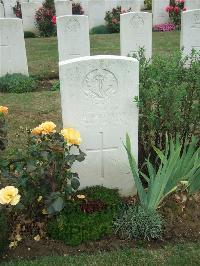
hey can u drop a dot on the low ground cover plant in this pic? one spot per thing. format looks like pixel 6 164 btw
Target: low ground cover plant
pixel 88 217
pixel 164 27
pixel 17 83
pixel 136 222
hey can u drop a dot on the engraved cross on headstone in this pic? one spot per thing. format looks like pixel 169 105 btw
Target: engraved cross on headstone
pixel 102 150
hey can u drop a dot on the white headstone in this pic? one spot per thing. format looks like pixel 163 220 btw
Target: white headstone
pixel 135 33
pixel 63 8
pixel 192 4
pixel 190 31
pixel 97 99
pixel 134 5
pixel 28 15
pixel 12 47
pixel 96 13
pixel 8 5
pixel 160 15
pixel 73 36
pixel 1 10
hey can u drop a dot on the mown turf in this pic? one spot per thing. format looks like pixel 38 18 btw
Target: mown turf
pixel 180 255
pixel 42 53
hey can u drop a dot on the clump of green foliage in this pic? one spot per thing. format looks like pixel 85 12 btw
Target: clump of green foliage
pixel 136 222
pixel 169 99
pixel 56 86
pixel 88 219
pixel 178 162
pixel 29 34
pixel 102 29
pixel 148 4
pixel 17 83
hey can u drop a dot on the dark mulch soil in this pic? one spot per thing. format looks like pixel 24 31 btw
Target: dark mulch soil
pixel 182 216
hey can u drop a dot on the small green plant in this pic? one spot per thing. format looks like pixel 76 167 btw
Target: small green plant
pixel 136 222
pixel 29 34
pixel 102 29
pixel 17 83
pixel 86 219
pixel 56 86
pixel 178 163
pixel 148 4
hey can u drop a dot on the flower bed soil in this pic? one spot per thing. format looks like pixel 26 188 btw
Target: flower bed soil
pixel 182 223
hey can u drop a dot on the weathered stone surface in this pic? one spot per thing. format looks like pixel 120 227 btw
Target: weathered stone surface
pixel 135 33
pixel 28 15
pixel 190 31
pixel 12 47
pixel 97 99
pixel 73 36
pixel 159 13
pixel 63 8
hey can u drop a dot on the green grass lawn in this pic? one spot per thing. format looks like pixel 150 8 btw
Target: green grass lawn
pixel 180 255
pixel 42 53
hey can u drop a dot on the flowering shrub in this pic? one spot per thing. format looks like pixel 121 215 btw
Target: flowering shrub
pixel 43 170
pixel 17 10
pixel 44 23
pixel 112 19
pixel 174 9
pixel 164 27
pixel 3 127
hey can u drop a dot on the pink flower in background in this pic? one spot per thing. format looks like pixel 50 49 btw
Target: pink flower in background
pixel 176 9
pixel 53 20
pixel 164 27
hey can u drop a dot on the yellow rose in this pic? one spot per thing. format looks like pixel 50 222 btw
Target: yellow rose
pixel 47 127
pixel 4 109
pixel 9 195
pixel 71 135
pixel 81 196
pixel 36 131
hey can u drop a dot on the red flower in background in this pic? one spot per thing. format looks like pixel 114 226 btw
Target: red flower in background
pixel 53 20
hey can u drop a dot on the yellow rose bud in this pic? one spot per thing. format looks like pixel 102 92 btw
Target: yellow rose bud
pixel 4 110
pixel 9 195
pixel 36 131
pixel 72 136
pixel 47 127
pixel 37 238
pixel 39 198
pixel 81 196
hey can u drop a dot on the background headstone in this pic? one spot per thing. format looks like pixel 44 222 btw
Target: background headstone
pixel 28 15
pixel 135 33
pixel 192 4
pixel 8 5
pixel 96 13
pixel 97 99
pixel 73 36
pixel 1 11
pixel 12 47
pixel 190 31
pixel 160 15
pixel 63 8
pixel 133 4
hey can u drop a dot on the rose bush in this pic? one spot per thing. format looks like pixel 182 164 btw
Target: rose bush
pixel 174 9
pixel 112 19
pixel 3 127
